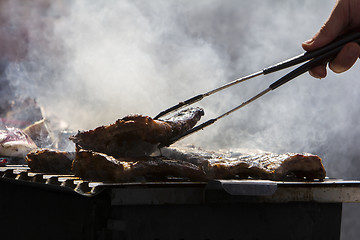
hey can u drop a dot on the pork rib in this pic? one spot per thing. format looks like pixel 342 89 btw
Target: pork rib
pixel 50 161
pixel 101 167
pixel 240 163
pixel 196 164
pixel 136 135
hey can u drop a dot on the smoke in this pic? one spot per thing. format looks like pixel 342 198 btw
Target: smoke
pixel 92 62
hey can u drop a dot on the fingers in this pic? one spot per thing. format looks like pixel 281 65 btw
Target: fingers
pixel 332 28
pixel 318 71
pixel 343 61
pixel 338 22
pixel 346 58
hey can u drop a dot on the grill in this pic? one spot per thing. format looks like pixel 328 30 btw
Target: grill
pixel 43 206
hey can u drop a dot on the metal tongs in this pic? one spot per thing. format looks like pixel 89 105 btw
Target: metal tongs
pixel 311 59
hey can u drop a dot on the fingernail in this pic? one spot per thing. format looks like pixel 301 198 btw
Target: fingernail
pixel 307 42
pixel 337 68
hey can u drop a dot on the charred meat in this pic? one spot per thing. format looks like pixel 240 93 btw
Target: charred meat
pixel 269 166
pixel 257 164
pixel 136 135
pixel 50 161
pixel 101 167
pixel 196 164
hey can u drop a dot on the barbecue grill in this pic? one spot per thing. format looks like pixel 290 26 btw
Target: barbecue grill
pixel 45 206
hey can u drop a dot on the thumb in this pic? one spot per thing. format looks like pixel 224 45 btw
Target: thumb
pixel 332 28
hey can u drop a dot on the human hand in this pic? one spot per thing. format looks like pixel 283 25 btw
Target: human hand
pixel 344 17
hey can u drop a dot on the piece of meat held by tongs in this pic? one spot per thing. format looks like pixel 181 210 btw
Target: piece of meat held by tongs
pixel 136 135
pixel 310 59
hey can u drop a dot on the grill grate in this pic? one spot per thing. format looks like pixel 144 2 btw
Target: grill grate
pixel 62 182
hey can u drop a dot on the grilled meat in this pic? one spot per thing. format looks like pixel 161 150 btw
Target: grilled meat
pixel 255 164
pixel 50 161
pixel 269 166
pixel 196 164
pixel 136 135
pixel 15 143
pixel 101 167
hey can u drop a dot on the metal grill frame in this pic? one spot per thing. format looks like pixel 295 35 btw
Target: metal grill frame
pixel 44 206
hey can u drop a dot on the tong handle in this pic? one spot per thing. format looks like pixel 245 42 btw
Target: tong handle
pixel 332 50
pixel 316 57
pixel 339 42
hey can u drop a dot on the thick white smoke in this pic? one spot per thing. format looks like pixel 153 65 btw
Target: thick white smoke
pixel 94 62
